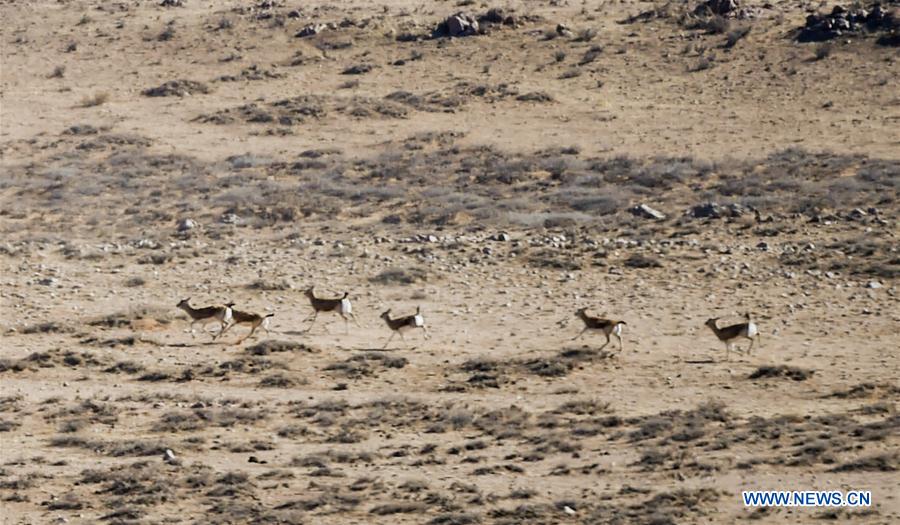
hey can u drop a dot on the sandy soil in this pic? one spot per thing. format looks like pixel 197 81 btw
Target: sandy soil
pixel 489 180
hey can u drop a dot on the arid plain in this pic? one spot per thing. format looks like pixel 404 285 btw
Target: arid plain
pixel 654 162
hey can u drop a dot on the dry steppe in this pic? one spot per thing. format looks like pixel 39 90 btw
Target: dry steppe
pixel 245 150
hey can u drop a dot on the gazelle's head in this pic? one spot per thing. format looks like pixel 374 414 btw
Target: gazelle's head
pixel 229 305
pixel 309 291
pixel 712 323
pixel 386 314
pixel 182 303
pixel 581 312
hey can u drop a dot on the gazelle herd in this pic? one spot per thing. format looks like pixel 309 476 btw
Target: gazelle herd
pixel 227 318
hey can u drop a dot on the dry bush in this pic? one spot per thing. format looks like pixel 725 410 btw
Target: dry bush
pixel 96 99
pixel 736 35
pixel 791 372
pixel 401 276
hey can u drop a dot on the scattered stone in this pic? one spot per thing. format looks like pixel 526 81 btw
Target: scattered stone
pixel 563 30
pixel 358 69
pixel 179 88
pixel 642 210
pixel 712 210
pixel 717 7
pixel 840 21
pixel 169 457
pixel 311 30
pixel 498 16
pixel 500 237
pixel 172 3
pixel 458 25
pixel 186 225
pixel 791 372
pixel 856 214
pixel 81 129
pixel 874 285
pixel 48 281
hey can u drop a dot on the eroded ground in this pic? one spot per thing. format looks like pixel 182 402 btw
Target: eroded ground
pixel 154 153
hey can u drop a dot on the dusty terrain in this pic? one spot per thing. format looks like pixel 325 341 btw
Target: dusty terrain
pixel 153 153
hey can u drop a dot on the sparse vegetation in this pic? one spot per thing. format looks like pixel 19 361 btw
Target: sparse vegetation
pixel 500 179
pixel 97 99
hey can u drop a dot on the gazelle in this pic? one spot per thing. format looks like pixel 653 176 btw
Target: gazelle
pixel 253 320
pixel 339 305
pixel 607 326
pixel 206 315
pixel 402 324
pixel 730 334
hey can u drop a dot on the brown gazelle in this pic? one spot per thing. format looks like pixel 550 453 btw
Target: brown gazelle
pixel 253 320
pixel 206 315
pixel 402 324
pixel 730 334
pixel 340 305
pixel 607 326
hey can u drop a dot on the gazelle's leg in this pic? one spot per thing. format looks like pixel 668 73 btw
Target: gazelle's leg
pixel 315 315
pixel 621 343
pixel 607 340
pixel 252 329
pixel 227 328
pixel 581 333
pixel 425 331
pixel 389 340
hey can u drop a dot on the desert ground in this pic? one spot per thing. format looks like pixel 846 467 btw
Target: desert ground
pixel 656 163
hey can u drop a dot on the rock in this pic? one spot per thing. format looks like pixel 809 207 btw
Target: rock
pixel 147 244
pixel 310 30
pixel 229 218
pixel 460 24
pixel 48 281
pixel 642 210
pixel 172 3
pixel 856 214
pixel 498 16
pixel 874 285
pixel 822 27
pixel 169 457
pixel 178 88
pixel 359 69
pixel 569 510
pixel 500 237
pixel 717 7
pixel 709 210
pixel 563 30
pixel 186 225
pixel 712 210
pixel 763 246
